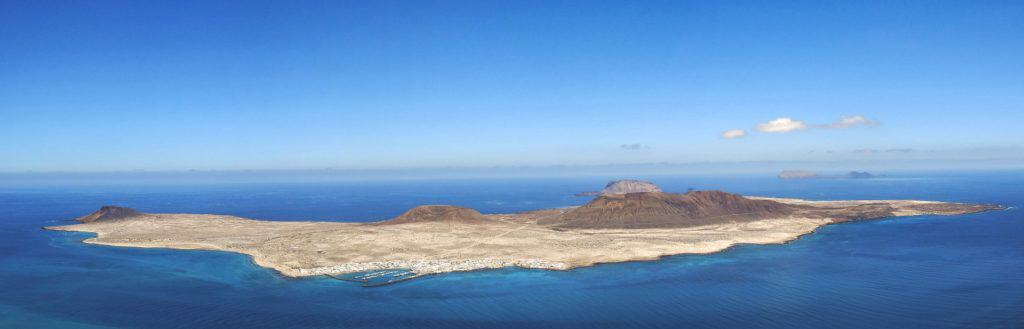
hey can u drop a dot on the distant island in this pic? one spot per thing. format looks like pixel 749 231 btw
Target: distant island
pixel 613 227
pixel 622 187
pixel 804 174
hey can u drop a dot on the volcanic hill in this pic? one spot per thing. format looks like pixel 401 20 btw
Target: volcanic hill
pixel 437 213
pixel 668 210
pixel 108 213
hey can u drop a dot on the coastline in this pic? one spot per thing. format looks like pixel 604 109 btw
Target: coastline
pixel 303 249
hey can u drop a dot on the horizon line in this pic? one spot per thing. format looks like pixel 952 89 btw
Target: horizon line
pixel 1013 164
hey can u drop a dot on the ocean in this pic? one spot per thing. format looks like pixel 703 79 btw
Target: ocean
pixel 914 272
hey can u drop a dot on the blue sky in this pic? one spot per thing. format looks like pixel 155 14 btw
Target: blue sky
pixel 227 85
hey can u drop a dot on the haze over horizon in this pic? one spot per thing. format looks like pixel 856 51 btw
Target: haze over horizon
pixel 177 86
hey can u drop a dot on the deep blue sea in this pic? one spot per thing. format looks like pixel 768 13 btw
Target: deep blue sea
pixel 915 272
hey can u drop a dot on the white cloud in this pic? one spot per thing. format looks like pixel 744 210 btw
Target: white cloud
pixel 851 121
pixel 734 133
pixel 787 124
pixel 634 147
pixel 781 125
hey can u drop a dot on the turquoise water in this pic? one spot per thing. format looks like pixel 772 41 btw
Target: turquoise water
pixel 917 272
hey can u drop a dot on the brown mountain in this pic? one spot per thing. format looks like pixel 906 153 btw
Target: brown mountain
pixel 668 210
pixel 439 214
pixel 107 213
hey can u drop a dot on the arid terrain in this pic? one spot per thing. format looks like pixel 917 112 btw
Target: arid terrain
pixel 438 239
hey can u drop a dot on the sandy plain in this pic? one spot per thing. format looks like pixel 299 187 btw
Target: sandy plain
pixel 298 249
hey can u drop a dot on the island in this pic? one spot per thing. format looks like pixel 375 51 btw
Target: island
pixel 805 174
pixel 431 239
pixel 624 186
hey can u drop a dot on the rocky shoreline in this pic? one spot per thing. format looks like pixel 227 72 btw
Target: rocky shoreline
pixel 440 239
